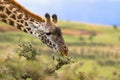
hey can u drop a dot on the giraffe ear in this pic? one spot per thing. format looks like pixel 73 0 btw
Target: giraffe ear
pixel 54 18
pixel 47 16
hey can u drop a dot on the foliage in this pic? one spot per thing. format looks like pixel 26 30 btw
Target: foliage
pixel 28 51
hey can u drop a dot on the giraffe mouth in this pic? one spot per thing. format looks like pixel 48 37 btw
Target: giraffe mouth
pixel 64 51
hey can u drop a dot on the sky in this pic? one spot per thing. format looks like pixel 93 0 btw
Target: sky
pixel 106 12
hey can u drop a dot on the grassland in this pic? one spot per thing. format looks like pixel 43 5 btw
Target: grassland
pixel 95 49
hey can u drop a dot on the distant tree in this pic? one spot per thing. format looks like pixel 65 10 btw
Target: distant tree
pixel 115 26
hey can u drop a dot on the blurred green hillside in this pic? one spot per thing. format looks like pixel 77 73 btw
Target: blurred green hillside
pixel 95 49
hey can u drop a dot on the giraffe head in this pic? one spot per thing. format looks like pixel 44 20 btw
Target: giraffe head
pixel 50 34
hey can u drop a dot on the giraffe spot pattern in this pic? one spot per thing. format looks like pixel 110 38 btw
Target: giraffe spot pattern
pixel 3 16
pixel 54 45
pixel 21 21
pixel 31 32
pixel 8 11
pixel 4 20
pixel 15 12
pixel 39 35
pixel 49 44
pixel 1 8
pixel 42 39
pixel 19 26
pixel 19 16
pixel 29 29
pixel 11 22
pixel 18 20
pixel 13 16
pixel 26 24
pixel 47 40
pixel 25 30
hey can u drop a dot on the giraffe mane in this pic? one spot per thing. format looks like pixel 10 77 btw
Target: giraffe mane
pixel 35 16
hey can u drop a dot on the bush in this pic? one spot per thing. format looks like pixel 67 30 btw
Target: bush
pixel 28 51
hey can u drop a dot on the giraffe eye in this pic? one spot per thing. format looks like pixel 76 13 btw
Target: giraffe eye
pixel 48 33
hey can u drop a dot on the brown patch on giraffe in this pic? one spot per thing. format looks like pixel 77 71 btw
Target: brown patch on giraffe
pixel 4 20
pixel 29 29
pixel 31 32
pixel 47 40
pixel 2 8
pixel 26 24
pixel 54 45
pixel 15 12
pixel 49 44
pixel 25 30
pixel 22 21
pixel 19 16
pixel 3 16
pixel 11 22
pixel 43 39
pixel 13 16
pixel 18 21
pixel 39 35
pixel 19 26
pixel 8 11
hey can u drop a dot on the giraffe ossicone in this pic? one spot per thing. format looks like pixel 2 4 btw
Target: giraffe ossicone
pixel 46 29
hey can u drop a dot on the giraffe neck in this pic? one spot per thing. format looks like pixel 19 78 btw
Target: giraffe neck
pixel 15 15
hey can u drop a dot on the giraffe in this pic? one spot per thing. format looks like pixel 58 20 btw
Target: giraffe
pixel 45 29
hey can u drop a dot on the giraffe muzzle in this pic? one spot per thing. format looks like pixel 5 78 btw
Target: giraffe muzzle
pixel 64 51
